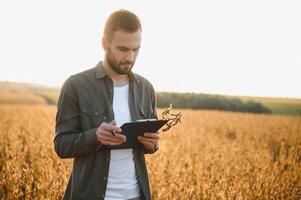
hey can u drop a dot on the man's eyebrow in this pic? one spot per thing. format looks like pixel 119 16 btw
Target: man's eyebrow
pixel 137 48
pixel 124 47
pixel 121 47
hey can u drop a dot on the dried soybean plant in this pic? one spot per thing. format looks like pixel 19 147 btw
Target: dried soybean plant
pixel 173 118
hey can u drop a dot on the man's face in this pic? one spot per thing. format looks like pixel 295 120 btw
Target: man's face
pixel 122 51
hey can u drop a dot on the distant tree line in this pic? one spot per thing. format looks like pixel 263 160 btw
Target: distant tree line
pixel 206 101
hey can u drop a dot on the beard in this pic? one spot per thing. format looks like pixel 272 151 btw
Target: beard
pixel 116 67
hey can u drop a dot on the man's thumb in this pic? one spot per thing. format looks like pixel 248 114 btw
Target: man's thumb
pixel 113 123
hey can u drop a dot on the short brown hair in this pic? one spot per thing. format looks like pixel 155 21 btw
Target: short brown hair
pixel 121 20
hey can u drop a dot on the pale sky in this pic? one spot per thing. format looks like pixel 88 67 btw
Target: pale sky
pixel 221 47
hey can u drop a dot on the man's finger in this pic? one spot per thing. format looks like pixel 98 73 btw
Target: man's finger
pixel 147 142
pixel 147 139
pixel 119 137
pixel 111 140
pixel 115 135
pixel 148 145
pixel 111 127
pixel 110 143
pixel 151 135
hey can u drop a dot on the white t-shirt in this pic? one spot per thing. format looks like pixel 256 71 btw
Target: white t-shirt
pixel 122 180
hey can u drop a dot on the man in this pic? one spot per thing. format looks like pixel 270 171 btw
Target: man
pixel 93 105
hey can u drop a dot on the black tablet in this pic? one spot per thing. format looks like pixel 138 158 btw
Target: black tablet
pixel 133 129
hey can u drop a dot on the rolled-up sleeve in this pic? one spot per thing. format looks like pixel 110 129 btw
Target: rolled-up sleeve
pixel 70 141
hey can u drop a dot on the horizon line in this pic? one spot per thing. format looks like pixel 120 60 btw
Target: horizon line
pixel 169 91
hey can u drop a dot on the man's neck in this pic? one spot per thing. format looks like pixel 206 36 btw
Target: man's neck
pixel 118 79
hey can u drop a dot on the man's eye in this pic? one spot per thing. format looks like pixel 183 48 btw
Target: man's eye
pixel 123 49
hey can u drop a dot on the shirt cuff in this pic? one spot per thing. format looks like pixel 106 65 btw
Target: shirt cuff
pixel 91 138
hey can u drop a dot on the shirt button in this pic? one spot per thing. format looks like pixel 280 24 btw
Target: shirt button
pixel 103 196
pixel 107 159
pixel 96 113
pixel 104 178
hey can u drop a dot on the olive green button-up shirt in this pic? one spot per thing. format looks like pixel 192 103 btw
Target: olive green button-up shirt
pixel 85 101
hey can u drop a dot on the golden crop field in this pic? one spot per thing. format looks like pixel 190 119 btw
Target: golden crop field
pixel 211 155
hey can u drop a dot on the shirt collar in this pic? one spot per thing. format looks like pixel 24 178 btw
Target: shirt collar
pixel 99 71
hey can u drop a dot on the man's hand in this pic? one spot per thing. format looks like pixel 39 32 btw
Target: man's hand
pixel 108 134
pixel 149 140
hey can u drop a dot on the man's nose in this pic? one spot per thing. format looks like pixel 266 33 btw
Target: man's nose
pixel 130 56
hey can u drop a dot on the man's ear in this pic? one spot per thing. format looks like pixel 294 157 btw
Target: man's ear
pixel 104 43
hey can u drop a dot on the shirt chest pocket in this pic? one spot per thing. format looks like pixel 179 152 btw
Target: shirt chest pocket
pixel 146 112
pixel 91 118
